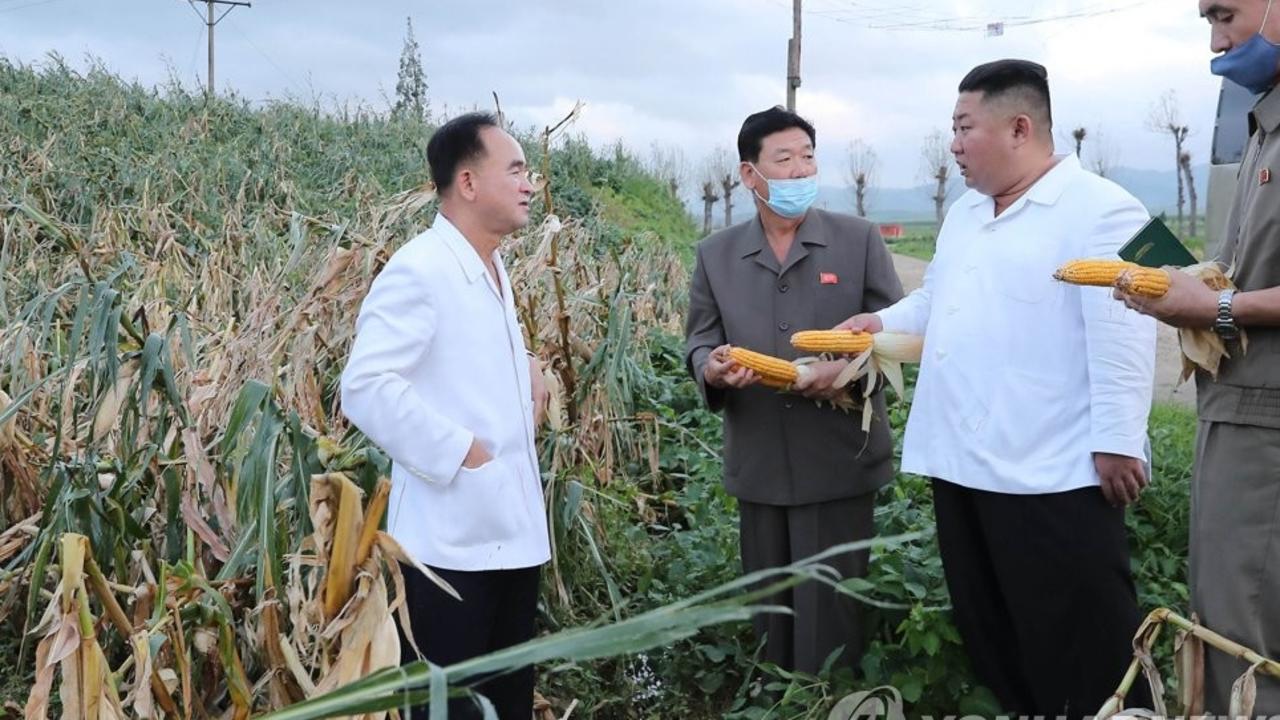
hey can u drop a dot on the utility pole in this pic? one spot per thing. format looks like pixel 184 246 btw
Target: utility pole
pixel 211 23
pixel 793 56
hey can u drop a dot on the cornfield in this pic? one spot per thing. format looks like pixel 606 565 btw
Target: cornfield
pixel 190 524
pixel 190 528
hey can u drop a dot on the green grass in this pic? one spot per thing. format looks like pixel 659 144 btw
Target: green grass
pixel 917 247
pixel 920 242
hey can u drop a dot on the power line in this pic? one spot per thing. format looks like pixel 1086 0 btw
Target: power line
pixel 210 24
pixel 908 18
pixel 28 5
pixel 283 73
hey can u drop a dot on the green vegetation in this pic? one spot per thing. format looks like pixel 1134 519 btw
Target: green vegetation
pixel 180 283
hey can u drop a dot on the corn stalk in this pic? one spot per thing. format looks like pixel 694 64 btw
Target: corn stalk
pixel 1189 664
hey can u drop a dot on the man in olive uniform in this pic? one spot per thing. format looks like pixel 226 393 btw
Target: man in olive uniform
pixel 1235 498
pixel 805 475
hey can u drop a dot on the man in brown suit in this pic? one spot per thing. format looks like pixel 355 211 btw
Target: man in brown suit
pixel 1235 485
pixel 804 474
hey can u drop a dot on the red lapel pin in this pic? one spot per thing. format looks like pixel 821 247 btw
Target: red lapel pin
pixel 828 278
pixel 1264 176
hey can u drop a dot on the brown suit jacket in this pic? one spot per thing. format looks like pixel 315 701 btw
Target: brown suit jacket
pixel 781 448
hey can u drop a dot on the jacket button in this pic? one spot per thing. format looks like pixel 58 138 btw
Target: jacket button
pixel 784 326
pixel 784 287
pixel 787 404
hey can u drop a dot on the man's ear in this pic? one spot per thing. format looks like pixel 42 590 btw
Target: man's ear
pixel 464 184
pixel 749 176
pixel 1023 128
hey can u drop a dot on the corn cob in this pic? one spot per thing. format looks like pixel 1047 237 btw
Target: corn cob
pixel 845 342
pixel 1129 277
pixel 774 372
pixel 1144 281
pixel 1098 273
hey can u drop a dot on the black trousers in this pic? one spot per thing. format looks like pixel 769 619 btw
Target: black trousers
pixel 497 611
pixel 823 619
pixel 1042 596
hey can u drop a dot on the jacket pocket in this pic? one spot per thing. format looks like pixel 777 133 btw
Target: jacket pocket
pixel 1034 417
pixel 485 507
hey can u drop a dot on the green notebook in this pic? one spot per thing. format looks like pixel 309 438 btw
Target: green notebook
pixel 1155 245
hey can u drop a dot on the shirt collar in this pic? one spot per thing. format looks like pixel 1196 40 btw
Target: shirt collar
pixel 1048 188
pixel 1266 113
pixel 809 233
pixel 468 258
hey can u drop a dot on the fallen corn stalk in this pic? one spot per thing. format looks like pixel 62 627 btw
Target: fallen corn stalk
pixel 1189 664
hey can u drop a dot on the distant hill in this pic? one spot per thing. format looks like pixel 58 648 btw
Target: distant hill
pixel 1154 188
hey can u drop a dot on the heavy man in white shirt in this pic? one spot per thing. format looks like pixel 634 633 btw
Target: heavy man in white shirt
pixel 1030 411
pixel 439 377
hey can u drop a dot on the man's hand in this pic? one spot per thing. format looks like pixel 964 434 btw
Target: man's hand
pixel 722 372
pixel 541 396
pixel 1189 303
pixel 866 322
pixel 1123 477
pixel 477 455
pixel 816 384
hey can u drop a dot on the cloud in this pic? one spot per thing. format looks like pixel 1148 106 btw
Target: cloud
pixel 682 73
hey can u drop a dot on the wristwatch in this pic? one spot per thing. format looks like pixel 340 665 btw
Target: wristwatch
pixel 1225 325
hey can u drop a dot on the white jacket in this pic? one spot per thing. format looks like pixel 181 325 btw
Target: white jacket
pixel 438 359
pixel 1023 377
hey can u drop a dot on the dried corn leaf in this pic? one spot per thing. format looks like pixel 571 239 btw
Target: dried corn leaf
pixel 341 563
pixel 1244 693
pixel 1189 669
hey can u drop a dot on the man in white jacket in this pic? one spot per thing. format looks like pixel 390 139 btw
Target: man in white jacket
pixel 439 377
pixel 1030 411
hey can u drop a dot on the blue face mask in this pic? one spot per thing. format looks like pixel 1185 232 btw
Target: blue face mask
pixel 1252 65
pixel 790 198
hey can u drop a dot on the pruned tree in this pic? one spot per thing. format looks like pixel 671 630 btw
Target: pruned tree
pixel 722 168
pixel 1166 117
pixel 411 81
pixel 668 165
pixel 709 199
pixel 863 165
pixel 1078 135
pixel 1103 154
pixel 1184 163
pixel 936 165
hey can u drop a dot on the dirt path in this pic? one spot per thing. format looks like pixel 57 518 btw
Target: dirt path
pixel 1168 357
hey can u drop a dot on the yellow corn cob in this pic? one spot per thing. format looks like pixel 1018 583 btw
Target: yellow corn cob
pixel 845 342
pixel 1129 277
pixel 774 372
pixel 1098 273
pixel 1144 281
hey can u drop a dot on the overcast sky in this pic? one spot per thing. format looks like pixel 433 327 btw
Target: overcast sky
pixel 683 73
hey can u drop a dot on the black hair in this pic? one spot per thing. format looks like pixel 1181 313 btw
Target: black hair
pixel 454 143
pixel 1027 80
pixel 760 125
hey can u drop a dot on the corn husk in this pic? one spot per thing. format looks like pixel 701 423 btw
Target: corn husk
pixel 883 359
pixel 1201 347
